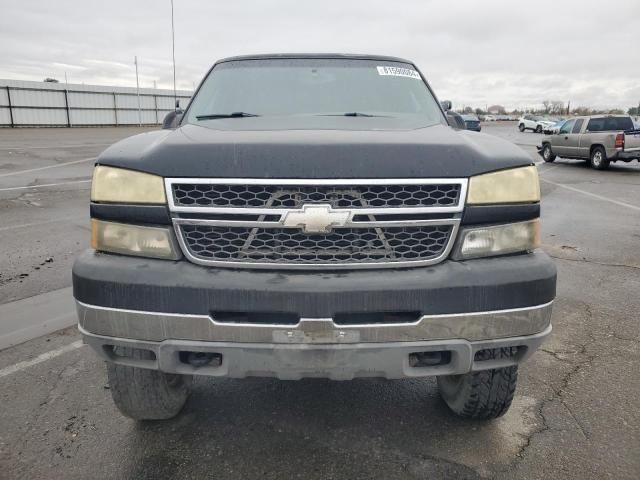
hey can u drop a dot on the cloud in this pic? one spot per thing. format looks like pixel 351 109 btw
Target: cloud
pixel 474 53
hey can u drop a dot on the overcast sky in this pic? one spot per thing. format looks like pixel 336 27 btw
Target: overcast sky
pixel 473 52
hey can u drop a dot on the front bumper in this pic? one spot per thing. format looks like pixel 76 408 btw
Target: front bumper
pixel 170 307
pixel 480 285
pixel 336 361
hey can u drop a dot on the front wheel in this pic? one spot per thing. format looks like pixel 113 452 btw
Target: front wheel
pixel 521 127
pixel 481 395
pixel 547 154
pixel 539 129
pixel 144 394
pixel 599 159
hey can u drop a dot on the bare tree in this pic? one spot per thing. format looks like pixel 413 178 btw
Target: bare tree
pixel 547 106
pixel 557 107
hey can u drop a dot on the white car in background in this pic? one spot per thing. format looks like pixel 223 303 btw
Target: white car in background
pixel 489 118
pixel 534 123
pixel 553 128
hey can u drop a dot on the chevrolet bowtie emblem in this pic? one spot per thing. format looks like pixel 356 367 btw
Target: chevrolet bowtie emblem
pixel 316 218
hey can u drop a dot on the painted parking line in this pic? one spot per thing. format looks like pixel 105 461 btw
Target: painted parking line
pixel 57 165
pixel 593 195
pixel 40 358
pixel 39 147
pixel 35 224
pixel 545 170
pixel 44 185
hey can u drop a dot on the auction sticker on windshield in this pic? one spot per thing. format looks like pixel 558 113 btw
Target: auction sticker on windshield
pixel 398 72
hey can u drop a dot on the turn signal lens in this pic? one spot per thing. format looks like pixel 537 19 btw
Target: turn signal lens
pixel 133 240
pixel 498 240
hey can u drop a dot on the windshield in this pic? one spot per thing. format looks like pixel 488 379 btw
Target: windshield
pixel 350 94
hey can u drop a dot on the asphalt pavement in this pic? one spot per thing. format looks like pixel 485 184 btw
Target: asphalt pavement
pixel 576 414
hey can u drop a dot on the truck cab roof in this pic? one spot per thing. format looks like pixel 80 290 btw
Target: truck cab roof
pixel 343 56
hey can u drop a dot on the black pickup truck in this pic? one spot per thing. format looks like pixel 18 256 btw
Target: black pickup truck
pixel 314 216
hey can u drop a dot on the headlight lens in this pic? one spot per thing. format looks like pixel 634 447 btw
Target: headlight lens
pixel 498 240
pixel 126 186
pixel 133 240
pixel 516 185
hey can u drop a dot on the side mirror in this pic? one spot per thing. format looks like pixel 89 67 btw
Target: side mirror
pixel 456 121
pixel 172 120
pixel 446 105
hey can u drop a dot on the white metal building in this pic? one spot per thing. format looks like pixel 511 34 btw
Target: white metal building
pixel 38 104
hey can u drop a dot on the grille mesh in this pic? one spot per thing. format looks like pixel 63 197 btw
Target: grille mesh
pixel 290 246
pixel 295 196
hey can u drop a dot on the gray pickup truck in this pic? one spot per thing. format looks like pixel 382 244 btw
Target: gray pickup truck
pixel 314 216
pixel 599 139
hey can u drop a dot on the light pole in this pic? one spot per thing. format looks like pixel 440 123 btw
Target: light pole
pixel 173 54
pixel 135 60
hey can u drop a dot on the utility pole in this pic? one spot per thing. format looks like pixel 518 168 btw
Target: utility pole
pixel 135 60
pixel 173 54
pixel 569 107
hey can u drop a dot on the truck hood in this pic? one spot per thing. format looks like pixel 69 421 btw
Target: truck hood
pixel 433 152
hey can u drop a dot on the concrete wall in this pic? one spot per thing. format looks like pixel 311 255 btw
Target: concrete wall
pixel 39 104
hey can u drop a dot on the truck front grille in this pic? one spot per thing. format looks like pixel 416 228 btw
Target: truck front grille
pixel 289 246
pixel 295 196
pixel 331 224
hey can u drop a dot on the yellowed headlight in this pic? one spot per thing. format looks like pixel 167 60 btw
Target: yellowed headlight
pixel 517 185
pixel 135 240
pixel 118 185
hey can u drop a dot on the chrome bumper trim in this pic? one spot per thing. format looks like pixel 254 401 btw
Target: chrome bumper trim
pixel 157 327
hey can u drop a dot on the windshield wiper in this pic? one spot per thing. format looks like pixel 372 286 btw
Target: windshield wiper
pixel 213 116
pixel 350 114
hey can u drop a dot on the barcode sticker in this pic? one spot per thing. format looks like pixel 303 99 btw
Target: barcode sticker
pixel 398 72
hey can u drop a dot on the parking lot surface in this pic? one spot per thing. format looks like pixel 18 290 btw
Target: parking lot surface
pixel 576 413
